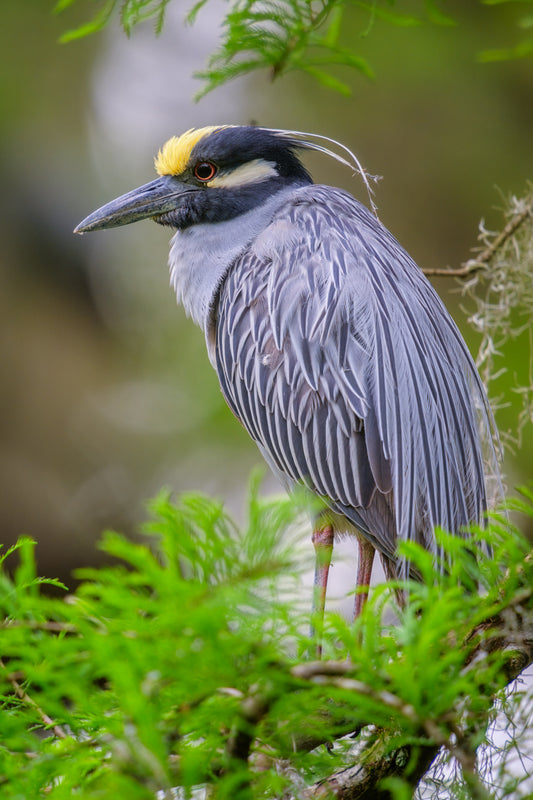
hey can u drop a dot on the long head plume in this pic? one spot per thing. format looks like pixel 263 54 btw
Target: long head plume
pixel 304 140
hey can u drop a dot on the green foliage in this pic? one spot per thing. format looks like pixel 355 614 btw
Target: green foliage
pixel 281 36
pixel 131 13
pixel 183 663
pixel 286 35
pixel 137 660
pixel 523 49
pixel 278 35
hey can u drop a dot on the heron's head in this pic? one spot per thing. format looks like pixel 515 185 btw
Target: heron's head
pixel 208 175
pixel 216 173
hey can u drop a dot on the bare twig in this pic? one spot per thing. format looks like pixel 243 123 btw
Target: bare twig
pixel 251 711
pixel 24 696
pixel 34 625
pixel 475 264
pixel 332 673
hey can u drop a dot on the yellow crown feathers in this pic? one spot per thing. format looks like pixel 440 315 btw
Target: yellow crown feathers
pixel 174 156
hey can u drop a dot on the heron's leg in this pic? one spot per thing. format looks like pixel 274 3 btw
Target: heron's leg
pixel 323 544
pixel 364 573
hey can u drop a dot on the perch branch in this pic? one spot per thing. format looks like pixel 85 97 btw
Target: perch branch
pixel 475 264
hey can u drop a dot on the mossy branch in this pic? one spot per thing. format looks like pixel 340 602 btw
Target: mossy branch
pixel 520 213
pixel 498 290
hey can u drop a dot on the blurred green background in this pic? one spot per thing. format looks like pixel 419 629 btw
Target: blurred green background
pixel 107 393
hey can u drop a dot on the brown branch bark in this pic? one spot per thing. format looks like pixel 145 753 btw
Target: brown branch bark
pixel 484 258
pixel 252 710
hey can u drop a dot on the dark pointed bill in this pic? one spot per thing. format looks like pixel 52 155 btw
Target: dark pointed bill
pixel 150 200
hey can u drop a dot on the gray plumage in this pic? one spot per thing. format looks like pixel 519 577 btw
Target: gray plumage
pixel 331 347
pixel 344 366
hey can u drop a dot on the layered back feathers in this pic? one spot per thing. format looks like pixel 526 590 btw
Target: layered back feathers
pixel 343 364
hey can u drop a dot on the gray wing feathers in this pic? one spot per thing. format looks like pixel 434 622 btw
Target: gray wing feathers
pixel 345 367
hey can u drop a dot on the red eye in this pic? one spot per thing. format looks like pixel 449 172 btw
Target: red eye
pixel 204 171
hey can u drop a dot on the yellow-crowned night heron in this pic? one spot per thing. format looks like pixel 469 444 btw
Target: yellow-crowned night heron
pixel 330 345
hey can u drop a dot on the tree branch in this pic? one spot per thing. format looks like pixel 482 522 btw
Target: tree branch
pixel 483 259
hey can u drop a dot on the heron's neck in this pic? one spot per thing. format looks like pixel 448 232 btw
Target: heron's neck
pixel 201 255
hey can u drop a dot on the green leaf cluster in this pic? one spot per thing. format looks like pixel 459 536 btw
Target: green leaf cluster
pixel 522 49
pixel 277 35
pixel 287 35
pixel 146 659
pixel 281 36
pixel 185 661
pixel 131 13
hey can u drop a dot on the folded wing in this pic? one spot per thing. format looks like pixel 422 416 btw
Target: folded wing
pixel 342 363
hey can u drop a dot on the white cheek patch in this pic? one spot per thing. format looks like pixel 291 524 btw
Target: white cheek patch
pixel 252 172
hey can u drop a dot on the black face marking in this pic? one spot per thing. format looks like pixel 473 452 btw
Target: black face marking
pixel 231 147
pixel 213 205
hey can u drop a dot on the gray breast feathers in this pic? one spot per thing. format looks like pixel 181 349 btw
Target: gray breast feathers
pixel 343 364
pixel 201 255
